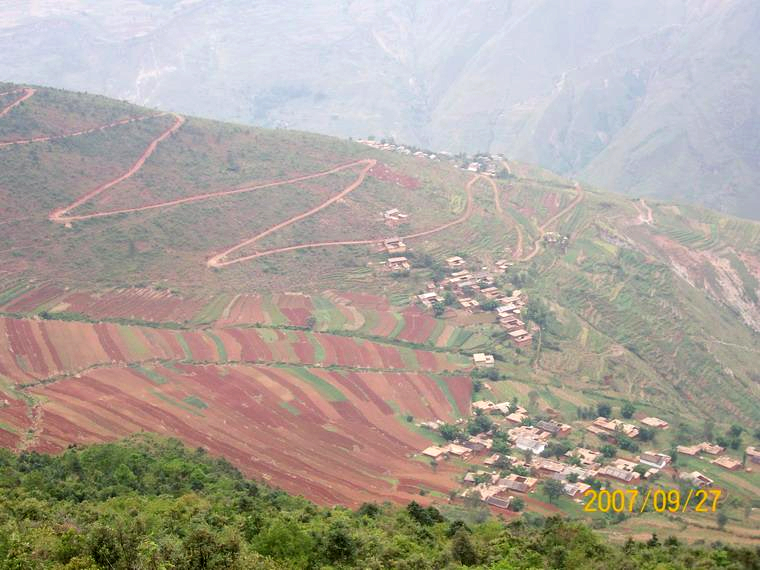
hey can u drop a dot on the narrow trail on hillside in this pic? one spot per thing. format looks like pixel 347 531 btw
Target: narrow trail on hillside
pixel 542 228
pixel 219 261
pixel 500 210
pixel 49 138
pixel 64 214
pixel 648 217
pixel 27 92
pixel 61 215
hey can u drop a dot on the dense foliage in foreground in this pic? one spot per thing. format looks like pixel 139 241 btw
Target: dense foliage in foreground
pixel 153 504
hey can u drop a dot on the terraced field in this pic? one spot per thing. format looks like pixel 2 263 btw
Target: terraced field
pixel 265 398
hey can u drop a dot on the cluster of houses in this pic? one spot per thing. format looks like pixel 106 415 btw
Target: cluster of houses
pixel 608 429
pixel 717 451
pixel 403 149
pixel 497 478
pixel 482 163
pixel 466 285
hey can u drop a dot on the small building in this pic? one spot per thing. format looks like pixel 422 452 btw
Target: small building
pixel 587 457
pixel 753 454
pixel 500 500
pixel 458 450
pixel 655 423
pixel 691 450
pixel 398 264
pixel 492 459
pixel 554 427
pixel 548 467
pixel 518 483
pixel 727 463
pixel 482 360
pixel 657 460
pixel 430 298
pixel 615 426
pixel 469 303
pixel 455 261
pixel 611 472
pixel 624 464
pixel 483 405
pixel 711 448
pixel 521 337
pixel 697 479
pixel 517 417
pixel 576 489
pixel 535 446
pixel 394 245
pixel 435 452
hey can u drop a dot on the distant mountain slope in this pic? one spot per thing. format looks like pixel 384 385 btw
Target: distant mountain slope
pixel 130 215
pixel 648 98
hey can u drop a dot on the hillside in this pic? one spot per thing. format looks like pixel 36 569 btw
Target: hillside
pixel 228 285
pixel 149 503
pixel 646 98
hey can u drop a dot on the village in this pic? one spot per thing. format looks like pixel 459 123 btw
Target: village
pixel 508 454
pixel 490 165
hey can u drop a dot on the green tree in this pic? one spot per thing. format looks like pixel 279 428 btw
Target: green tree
pixel 554 489
pixel 604 409
pixel 462 549
pixel 450 432
pixel 627 410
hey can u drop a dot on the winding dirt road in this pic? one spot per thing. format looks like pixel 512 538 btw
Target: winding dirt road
pixel 27 92
pixel 119 123
pixel 500 210
pixel 219 261
pixel 647 217
pixel 60 215
pixel 542 228
pixel 63 215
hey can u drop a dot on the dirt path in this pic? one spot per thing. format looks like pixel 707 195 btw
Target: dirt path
pixel 80 133
pixel 33 433
pixel 648 217
pixel 28 92
pixel 500 210
pixel 542 228
pixel 219 261
pixel 60 215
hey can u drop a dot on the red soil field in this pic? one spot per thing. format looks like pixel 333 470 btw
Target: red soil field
pixel 33 350
pixel 365 300
pixel 244 309
pixel 31 300
pixel 296 307
pixel 267 421
pixel 14 414
pixel 134 303
pixel 419 325
pixel 342 439
pixel 383 172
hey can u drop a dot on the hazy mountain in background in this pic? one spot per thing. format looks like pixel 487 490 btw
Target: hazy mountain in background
pixel 648 98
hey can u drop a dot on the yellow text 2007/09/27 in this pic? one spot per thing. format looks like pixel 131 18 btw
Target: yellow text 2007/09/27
pixel 657 500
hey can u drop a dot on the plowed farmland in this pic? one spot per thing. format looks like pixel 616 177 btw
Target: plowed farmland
pixel 315 413
pixel 333 436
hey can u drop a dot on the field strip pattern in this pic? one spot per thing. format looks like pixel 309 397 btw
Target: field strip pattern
pixel 314 418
